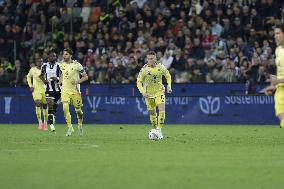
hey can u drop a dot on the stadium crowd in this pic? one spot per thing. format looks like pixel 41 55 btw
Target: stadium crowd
pixel 197 40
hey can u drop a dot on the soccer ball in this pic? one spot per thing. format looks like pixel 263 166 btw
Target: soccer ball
pixel 153 134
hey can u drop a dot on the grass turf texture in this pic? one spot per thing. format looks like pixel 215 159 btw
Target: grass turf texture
pixel 121 156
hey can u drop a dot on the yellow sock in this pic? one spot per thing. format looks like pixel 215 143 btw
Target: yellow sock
pixel 282 123
pixel 79 113
pixel 38 114
pixel 153 120
pixel 161 119
pixel 45 114
pixel 67 114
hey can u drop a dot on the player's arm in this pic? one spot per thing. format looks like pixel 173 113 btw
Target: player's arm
pixel 29 80
pixel 268 90
pixel 139 83
pixel 42 74
pixel 84 76
pixel 60 80
pixel 278 81
pixel 274 81
pixel 169 79
pixel 58 73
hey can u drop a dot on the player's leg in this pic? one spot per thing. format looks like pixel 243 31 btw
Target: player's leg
pixel 279 105
pixel 281 118
pixel 56 102
pixel 151 106
pixel 57 96
pixel 161 117
pixel 44 111
pixel 161 107
pixel 51 112
pixel 153 118
pixel 38 113
pixel 77 103
pixel 65 102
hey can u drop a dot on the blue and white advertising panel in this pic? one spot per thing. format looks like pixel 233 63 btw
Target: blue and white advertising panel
pixel 179 110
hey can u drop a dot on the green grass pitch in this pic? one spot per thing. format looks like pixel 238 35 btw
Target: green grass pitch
pixel 121 156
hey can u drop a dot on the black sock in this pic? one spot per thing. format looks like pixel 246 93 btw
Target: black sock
pixel 50 118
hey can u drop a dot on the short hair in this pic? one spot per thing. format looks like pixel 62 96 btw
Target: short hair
pixel 69 51
pixel 248 72
pixel 280 26
pixel 151 53
pixel 51 51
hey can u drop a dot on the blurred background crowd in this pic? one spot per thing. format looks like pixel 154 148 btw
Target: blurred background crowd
pixel 197 40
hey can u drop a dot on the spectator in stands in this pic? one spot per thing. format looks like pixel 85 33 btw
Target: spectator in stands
pixel 229 71
pixel 216 29
pixel 178 61
pixel 132 70
pixel 4 77
pixel 88 59
pixel 197 51
pixel 250 83
pixel 140 3
pixel 18 73
pixel 179 30
pixel 91 75
pixel 167 59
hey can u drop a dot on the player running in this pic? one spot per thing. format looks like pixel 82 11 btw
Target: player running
pixel 50 74
pixel 277 82
pixel 37 88
pixel 149 83
pixel 70 91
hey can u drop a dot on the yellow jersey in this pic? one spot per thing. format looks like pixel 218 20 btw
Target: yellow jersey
pixel 150 80
pixel 70 73
pixel 34 80
pixel 279 52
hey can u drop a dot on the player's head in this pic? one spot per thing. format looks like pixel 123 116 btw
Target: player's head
pixel 151 58
pixel 51 56
pixel 67 54
pixel 279 34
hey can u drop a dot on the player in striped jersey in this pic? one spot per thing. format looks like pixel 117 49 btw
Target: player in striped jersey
pixel 50 74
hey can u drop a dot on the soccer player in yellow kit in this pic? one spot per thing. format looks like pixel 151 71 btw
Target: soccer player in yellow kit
pixel 37 88
pixel 70 91
pixel 150 85
pixel 277 82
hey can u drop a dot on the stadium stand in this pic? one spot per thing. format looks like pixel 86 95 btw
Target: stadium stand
pixel 199 41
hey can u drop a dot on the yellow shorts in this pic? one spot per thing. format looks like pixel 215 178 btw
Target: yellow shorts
pixel 279 100
pixel 75 99
pixel 39 96
pixel 152 103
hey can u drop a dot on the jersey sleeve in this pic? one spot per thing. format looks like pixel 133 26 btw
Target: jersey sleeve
pixel 80 68
pixel 29 78
pixel 58 72
pixel 140 79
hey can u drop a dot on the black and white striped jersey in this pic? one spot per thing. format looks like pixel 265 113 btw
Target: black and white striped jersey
pixel 49 70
